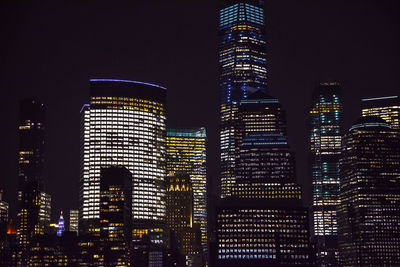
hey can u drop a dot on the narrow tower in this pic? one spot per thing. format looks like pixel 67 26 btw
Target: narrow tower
pixel 325 133
pixel 30 169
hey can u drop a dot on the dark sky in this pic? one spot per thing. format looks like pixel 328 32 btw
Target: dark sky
pixel 50 49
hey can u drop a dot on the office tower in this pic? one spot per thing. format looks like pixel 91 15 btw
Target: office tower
pixel 325 133
pixel 30 168
pixel 369 212
pixel 180 217
pixel 3 219
pixel 124 125
pixel 44 212
pixel 73 221
pixel 263 221
pixel 186 153
pixel 115 214
pixel 243 70
pixel 61 228
pixel 387 108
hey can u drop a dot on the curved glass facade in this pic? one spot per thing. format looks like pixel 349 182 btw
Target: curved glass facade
pixel 124 125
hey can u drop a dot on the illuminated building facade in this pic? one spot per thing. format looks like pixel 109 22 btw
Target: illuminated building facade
pixel 262 233
pixel 124 125
pixel 369 212
pixel 30 169
pixel 73 221
pixel 243 70
pixel 60 228
pixel 180 217
pixel 325 131
pixel 115 215
pixel 186 153
pixel 263 222
pixel 387 108
pixel 3 219
pixel 44 212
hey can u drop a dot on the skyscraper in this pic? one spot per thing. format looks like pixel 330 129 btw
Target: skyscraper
pixel 243 70
pixel 115 215
pixel 263 222
pixel 369 212
pixel 30 168
pixel 73 221
pixel 124 125
pixel 325 133
pixel 180 218
pixel 386 107
pixel 186 153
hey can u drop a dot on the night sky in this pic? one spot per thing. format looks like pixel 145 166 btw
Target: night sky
pixel 50 49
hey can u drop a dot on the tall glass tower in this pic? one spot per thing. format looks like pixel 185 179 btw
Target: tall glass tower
pixel 243 70
pixel 325 131
pixel 124 125
pixel 186 153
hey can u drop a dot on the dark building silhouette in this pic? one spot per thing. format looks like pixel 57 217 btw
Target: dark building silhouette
pixel 180 218
pixel 325 134
pixel 115 215
pixel 369 212
pixel 31 131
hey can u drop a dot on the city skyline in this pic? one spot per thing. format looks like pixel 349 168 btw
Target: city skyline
pixel 64 113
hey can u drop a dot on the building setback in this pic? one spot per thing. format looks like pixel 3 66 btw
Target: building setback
pixel 369 212
pixel 242 71
pixel 124 125
pixel 263 221
pixel 325 132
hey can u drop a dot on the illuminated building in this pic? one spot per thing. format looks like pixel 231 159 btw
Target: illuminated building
pixel 325 131
pixel 186 153
pixel 262 233
pixel 73 221
pixel 3 219
pixel 44 213
pixel 124 125
pixel 179 203
pixel 263 222
pixel 387 108
pixel 369 212
pixel 30 169
pixel 243 70
pixel 61 227
pixel 115 214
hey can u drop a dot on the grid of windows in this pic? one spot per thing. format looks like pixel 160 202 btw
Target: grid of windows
pixel 186 153
pixel 368 216
pixel 273 235
pixel 124 131
pixel 242 64
pixel 325 123
pixel 387 108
